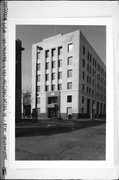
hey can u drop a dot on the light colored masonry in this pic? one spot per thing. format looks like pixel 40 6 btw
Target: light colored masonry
pixel 68 77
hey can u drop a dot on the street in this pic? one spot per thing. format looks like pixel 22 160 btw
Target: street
pixel 77 144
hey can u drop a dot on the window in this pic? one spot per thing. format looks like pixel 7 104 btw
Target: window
pixel 69 62
pixel 83 75
pixel 53 52
pixel 87 67
pixel 38 66
pixel 47 65
pixel 53 76
pixel 87 89
pixel 82 109
pixel 59 75
pixel 38 53
pixel 90 69
pixel 53 64
pixel 83 50
pixel 87 79
pixel 83 63
pixel 82 87
pixel 38 100
pixel 92 91
pixel 59 50
pixel 59 86
pixel 93 61
pixel 38 88
pixel 93 82
pixel 38 78
pixel 70 47
pixel 47 87
pixel 47 77
pixel 88 56
pixel 69 98
pixel 60 63
pixel 53 87
pixel 47 53
pixel 69 85
pixel 82 99
pixel 69 73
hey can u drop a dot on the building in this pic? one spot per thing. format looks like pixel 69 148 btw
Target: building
pixel 18 81
pixel 68 77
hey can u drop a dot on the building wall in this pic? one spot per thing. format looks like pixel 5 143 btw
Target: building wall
pixel 47 51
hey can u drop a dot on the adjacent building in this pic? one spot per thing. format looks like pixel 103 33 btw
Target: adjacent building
pixel 18 81
pixel 68 77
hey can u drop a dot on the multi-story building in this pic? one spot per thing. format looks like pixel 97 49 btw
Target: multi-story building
pixel 18 85
pixel 68 77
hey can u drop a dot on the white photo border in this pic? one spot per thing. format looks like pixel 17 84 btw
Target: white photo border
pixel 109 162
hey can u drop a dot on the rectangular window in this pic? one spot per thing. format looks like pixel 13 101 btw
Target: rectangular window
pixel 38 78
pixel 53 64
pixel 38 67
pixel 83 62
pixel 83 75
pixel 47 87
pixel 90 69
pixel 87 79
pixel 83 99
pixel 59 86
pixel 88 55
pixel 87 67
pixel 38 88
pixel 47 77
pixel 83 50
pixel 38 100
pixel 53 87
pixel 47 65
pixel 69 73
pixel 70 47
pixel 59 63
pixel 53 76
pixel 59 75
pixel 82 87
pixel 90 58
pixel 69 98
pixel 69 85
pixel 47 54
pixel 59 51
pixel 53 52
pixel 69 61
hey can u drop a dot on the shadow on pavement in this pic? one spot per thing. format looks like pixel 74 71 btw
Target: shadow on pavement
pixel 57 127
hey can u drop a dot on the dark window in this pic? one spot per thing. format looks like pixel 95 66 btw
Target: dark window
pixel 69 73
pixel 69 85
pixel 53 52
pixel 59 75
pixel 47 77
pixel 87 67
pixel 53 64
pixel 60 63
pixel 82 99
pixel 47 88
pixel 69 62
pixel 83 50
pixel 53 76
pixel 83 74
pixel 53 87
pixel 83 62
pixel 59 50
pixel 69 98
pixel 88 56
pixel 47 53
pixel 87 78
pixel 87 89
pixel 59 86
pixel 82 87
pixel 47 65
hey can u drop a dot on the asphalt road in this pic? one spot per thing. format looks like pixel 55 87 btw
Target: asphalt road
pixel 79 144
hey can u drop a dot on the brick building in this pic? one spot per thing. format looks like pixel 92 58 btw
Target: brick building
pixel 68 77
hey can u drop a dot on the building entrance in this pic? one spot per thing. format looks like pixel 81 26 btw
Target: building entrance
pixel 52 112
pixel 88 106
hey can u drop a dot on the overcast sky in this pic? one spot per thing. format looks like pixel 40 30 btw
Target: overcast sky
pixel 30 34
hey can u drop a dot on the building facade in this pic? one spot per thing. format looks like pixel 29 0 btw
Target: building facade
pixel 68 77
pixel 18 81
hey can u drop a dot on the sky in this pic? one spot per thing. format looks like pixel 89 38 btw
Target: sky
pixel 30 34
